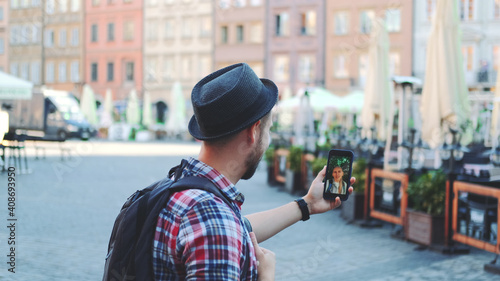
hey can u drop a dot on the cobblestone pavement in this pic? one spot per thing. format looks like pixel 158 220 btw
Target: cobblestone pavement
pixel 66 209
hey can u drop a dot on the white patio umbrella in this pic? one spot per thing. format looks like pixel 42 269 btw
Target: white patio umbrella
pixel 88 105
pixel 106 119
pixel 444 95
pixel 377 106
pixel 304 122
pixel 176 122
pixel 147 117
pixel 132 112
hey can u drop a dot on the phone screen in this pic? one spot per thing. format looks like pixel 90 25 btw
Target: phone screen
pixel 338 174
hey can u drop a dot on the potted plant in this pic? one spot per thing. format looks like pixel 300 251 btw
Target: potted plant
pixel 426 196
pixel 269 156
pixel 353 208
pixel 294 162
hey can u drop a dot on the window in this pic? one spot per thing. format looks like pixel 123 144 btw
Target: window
pixel 14 4
pixel 128 31
pixel 151 69
pixel 35 72
pixel 49 6
pixel 282 28
pixel 240 3
pixel 187 27
pixel 281 68
pixel 466 10
pixel 366 18
pixel 24 3
pixel 306 68
pixel 62 38
pixel 255 2
pixel 95 2
pixel 496 58
pixel 393 20
pixel 36 3
pixel 75 5
pixel 186 70
pixel 35 33
pixel 62 72
pixel 341 22
pixel 2 46
pixel 168 69
pixel 240 36
pixel 496 9
pixel 152 30
pixel 14 34
pixel 13 68
pixel 127 1
pixel 63 6
pixel 25 70
pixel 75 37
pixel 94 33
pixel 111 31
pixel 75 71
pixel 25 33
pixel 256 33
pixel 308 23
pixel 1 13
pixel 205 26
pixel 394 64
pixel 49 38
pixel 169 29
pixel 340 66
pixel 129 71
pixel 49 72
pixel 203 66
pixel 468 56
pixel 93 72
pixel 224 4
pixel 223 34
pixel 111 71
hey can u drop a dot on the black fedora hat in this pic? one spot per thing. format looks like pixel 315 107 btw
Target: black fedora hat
pixel 230 100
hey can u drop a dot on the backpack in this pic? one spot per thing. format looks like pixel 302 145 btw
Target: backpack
pixel 127 259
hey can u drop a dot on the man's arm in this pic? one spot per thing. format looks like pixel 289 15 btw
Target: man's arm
pixel 268 223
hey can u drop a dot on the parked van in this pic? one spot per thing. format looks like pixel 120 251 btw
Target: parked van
pixel 48 115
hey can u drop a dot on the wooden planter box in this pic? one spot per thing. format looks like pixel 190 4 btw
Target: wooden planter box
pixel 353 208
pixel 293 181
pixel 424 228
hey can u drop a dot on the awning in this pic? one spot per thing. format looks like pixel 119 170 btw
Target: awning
pixel 12 87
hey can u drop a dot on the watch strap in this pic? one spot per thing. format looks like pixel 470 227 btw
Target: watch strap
pixel 303 209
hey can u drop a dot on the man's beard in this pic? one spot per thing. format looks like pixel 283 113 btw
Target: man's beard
pixel 253 160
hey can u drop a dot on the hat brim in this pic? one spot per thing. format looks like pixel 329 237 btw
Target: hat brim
pixel 269 94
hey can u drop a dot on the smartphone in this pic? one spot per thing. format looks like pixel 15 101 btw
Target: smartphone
pixel 338 174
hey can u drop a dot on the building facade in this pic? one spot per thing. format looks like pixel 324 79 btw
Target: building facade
pixel 348 27
pixel 25 50
pixel 63 45
pixel 239 33
pixel 480 25
pixel 114 46
pixel 178 45
pixel 4 35
pixel 295 43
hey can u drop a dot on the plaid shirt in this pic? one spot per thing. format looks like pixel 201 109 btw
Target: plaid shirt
pixel 199 237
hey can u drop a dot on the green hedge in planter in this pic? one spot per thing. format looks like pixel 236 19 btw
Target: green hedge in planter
pixel 359 172
pixel 294 159
pixel 269 155
pixel 428 193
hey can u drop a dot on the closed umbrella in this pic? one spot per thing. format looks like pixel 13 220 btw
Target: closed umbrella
pixel 88 105
pixel 107 110
pixel 495 124
pixel 132 113
pixel 378 99
pixel 444 95
pixel 147 117
pixel 176 122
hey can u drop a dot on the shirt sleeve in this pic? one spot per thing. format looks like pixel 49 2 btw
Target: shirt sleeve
pixel 210 239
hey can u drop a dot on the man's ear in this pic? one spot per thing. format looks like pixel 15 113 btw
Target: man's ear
pixel 253 131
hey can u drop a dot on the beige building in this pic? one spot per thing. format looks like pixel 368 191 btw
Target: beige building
pixel 25 37
pixel 295 43
pixel 4 35
pixel 63 45
pixel 178 45
pixel 348 28
pixel 239 33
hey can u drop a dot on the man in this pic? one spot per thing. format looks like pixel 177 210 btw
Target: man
pixel 336 185
pixel 198 236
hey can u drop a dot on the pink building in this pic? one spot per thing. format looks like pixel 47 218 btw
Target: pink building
pixel 295 43
pixel 113 46
pixel 4 35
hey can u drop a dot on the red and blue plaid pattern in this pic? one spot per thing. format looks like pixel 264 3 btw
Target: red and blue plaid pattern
pixel 199 237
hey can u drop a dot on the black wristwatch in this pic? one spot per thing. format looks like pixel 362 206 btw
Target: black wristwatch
pixel 303 208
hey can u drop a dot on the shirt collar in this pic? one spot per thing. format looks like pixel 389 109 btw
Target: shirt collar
pixel 195 167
